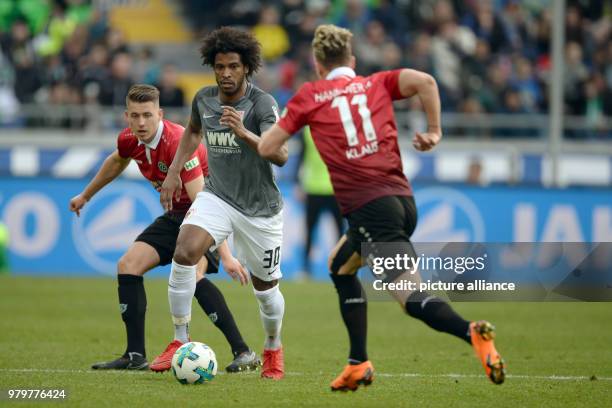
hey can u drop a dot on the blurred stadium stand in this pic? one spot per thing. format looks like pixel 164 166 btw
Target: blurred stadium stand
pixel 66 66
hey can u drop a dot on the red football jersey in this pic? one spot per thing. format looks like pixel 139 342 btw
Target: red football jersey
pixel 353 127
pixel 154 161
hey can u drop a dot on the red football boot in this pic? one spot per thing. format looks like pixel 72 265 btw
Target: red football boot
pixel 273 364
pixel 164 360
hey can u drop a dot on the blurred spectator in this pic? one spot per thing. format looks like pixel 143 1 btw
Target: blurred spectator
pixel 59 101
pixel 115 42
pixel 60 27
pixel 527 85
pixel 146 68
pixel 74 48
pixel 391 56
pixel 473 110
pixel 474 173
pixel 114 88
pixel 542 35
pixel 573 25
pixel 474 68
pixel 512 102
pixel 513 105
pixel 369 52
pixel 170 94
pixel 34 12
pixel 594 109
pixel 9 105
pixel 79 11
pixel 272 36
pixel 20 52
pixel 515 22
pixel 576 72
pixel 387 14
pixel 354 15
pixel 486 25
pixel 287 83
pixel 491 93
pixel 419 56
pixel 94 67
pixel 451 44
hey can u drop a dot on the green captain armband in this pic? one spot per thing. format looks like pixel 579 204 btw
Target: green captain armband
pixel 192 164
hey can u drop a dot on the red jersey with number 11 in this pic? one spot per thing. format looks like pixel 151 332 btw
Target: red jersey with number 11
pixel 353 127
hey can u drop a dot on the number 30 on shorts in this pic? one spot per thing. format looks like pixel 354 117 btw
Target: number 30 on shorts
pixel 272 257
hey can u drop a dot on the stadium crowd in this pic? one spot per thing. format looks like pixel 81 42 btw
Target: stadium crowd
pixel 489 56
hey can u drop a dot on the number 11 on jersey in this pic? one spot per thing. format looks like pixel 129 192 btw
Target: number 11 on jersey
pixel 341 102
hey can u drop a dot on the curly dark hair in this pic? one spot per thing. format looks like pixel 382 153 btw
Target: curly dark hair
pixel 229 39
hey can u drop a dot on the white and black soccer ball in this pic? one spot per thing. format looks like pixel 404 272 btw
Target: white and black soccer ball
pixel 194 363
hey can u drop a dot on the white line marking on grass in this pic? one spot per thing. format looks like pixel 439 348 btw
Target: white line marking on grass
pixel 294 373
pixel 519 376
pixel 68 371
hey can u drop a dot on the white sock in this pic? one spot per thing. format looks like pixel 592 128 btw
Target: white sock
pixel 271 310
pixel 181 287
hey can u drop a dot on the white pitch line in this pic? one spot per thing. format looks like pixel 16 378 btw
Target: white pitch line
pixel 529 377
pixel 292 373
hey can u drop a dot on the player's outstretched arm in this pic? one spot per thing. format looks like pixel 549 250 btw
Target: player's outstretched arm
pixel 412 82
pixel 273 144
pixel 173 185
pixel 112 167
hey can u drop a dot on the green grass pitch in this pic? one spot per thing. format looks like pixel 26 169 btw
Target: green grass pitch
pixel 52 329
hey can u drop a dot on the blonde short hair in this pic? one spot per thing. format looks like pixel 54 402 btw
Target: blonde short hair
pixel 332 45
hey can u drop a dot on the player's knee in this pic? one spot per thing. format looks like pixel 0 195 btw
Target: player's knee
pixel 347 269
pixel 128 266
pixel 200 273
pixel 261 285
pixel 341 266
pixel 186 255
pixel 330 263
pixel 416 302
pixel 334 264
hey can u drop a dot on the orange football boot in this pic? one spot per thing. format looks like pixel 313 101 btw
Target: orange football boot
pixel 353 376
pixel 482 334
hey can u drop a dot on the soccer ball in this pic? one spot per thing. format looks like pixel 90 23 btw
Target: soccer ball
pixel 194 363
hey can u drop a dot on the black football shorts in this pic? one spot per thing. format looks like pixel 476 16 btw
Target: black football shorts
pixel 162 235
pixel 385 219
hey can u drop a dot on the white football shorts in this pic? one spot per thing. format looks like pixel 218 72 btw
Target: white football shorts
pixel 257 240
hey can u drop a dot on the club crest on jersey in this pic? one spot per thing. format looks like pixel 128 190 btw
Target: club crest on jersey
pixel 162 167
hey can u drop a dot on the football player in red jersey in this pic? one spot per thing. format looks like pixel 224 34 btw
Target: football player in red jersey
pixel 152 142
pixel 353 126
